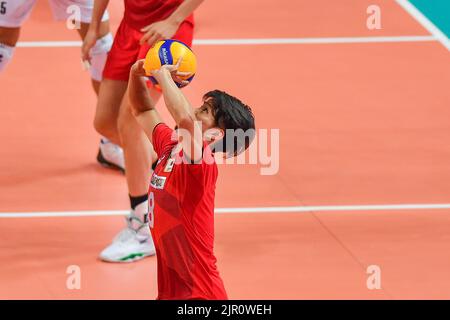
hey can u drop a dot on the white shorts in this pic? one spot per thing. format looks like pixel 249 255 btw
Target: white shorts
pixel 14 12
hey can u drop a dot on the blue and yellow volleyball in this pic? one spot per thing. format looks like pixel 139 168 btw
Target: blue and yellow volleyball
pixel 169 52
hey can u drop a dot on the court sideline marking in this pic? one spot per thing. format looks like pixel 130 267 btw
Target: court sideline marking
pixel 280 209
pixel 425 22
pixel 262 41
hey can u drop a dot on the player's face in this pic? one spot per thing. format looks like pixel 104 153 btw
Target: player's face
pixel 205 115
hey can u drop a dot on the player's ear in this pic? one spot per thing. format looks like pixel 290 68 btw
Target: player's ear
pixel 214 134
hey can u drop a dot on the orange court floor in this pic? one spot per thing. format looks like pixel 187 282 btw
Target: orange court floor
pixel 362 124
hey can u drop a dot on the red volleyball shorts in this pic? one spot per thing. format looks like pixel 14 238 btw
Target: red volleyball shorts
pixel 126 49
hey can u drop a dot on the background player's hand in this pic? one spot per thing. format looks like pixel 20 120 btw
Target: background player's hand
pixel 138 68
pixel 171 69
pixel 89 41
pixel 160 30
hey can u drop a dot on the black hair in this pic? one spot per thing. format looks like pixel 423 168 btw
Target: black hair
pixel 236 120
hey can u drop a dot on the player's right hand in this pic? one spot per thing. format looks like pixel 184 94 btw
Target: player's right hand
pixel 173 70
pixel 89 41
pixel 160 30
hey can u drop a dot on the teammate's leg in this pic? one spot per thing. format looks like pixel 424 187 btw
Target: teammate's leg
pixel 110 154
pixel 8 40
pixel 12 14
pixel 111 94
pixel 134 242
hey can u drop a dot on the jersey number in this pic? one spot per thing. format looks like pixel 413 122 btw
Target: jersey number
pixel 151 207
pixel 3 7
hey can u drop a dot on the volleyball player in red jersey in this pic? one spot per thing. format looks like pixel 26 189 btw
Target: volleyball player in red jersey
pixel 182 187
pixel 143 24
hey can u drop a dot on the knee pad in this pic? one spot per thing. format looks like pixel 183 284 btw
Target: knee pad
pixel 6 53
pixel 99 53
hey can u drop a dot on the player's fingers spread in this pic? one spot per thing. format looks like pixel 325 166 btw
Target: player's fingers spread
pixel 153 39
pixel 168 35
pixel 150 41
pixel 145 37
pixel 157 38
pixel 145 29
pixel 184 74
pixel 179 61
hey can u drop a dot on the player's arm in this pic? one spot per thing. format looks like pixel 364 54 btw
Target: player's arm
pixel 94 28
pixel 181 111
pixel 165 29
pixel 97 13
pixel 184 10
pixel 141 103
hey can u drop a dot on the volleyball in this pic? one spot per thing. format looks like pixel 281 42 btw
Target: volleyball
pixel 169 52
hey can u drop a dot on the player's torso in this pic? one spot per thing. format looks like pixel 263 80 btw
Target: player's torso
pixel 150 4
pixel 182 195
pixel 182 226
pixel 165 193
pixel 141 13
pixel 155 9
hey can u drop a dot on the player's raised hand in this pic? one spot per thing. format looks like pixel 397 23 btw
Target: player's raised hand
pixel 138 68
pixel 173 70
pixel 160 30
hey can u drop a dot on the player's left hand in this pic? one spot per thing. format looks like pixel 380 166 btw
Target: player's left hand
pixel 172 69
pixel 160 30
pixel 89 41
pixel 138 68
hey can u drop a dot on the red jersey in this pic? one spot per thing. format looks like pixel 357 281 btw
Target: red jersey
pixel 181 218
pixel 141 13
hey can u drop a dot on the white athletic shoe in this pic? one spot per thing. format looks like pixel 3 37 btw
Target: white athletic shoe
pixel 110 155
pixel 132 243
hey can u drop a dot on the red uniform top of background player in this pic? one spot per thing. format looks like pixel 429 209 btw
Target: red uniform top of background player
pixel 182 224
pixel 141 13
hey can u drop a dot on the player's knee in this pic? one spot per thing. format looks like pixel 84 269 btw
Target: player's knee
pixel 104 126
pixel 99 53
pixel 98 125
pixel 9 36
pixel 8 40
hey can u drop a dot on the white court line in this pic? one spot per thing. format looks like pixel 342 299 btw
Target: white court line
pixel 216 42
pixel 295 209
pixel 425 22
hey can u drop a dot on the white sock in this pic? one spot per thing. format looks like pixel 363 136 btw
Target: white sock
pixel 6 53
